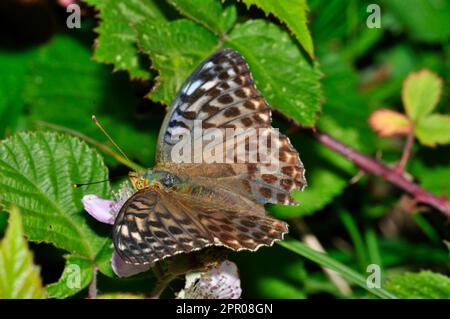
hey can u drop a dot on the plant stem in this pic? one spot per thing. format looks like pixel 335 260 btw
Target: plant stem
pixel 406 152
pixel 92 294
pixel 374 167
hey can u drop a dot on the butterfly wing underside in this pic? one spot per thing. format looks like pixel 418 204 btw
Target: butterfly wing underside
pixel 221 94
pixel 153 225
pixel 150 227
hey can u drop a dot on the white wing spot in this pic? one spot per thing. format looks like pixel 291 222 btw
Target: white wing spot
pixel 207 66
pixel 194 85
pixel 208 85
pixel 136 236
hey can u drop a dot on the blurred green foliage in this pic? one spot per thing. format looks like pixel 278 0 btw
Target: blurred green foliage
pixel 126 49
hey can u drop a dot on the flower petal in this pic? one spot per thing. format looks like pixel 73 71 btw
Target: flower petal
pixel 122 269
pixel 221 282
pixel 99 208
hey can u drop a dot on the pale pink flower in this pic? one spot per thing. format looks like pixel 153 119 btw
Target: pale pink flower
pixel 105 211
pixel 221 282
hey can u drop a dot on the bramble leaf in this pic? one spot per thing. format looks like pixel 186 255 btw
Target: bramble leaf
pixel 19 277
pixel 389 123
pixel 420 93
pixel 37 171
pixel 293 14
pixel 77 275
pixel 433 129
pixel 176 49
pixel 208 13
pixel 116 43
pixel 285 77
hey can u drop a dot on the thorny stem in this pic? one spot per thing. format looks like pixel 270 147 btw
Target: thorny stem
pixel 375 167
pixel 406 152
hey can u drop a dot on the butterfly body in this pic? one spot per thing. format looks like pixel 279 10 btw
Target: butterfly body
pixel 185 206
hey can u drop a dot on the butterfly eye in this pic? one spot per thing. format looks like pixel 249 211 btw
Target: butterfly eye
pixel 169 180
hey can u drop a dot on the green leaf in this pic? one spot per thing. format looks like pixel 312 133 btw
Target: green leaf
pixel 325 261
pixel 67 89
pixel 425 284
pixel 294 14
pixel 433 129
pixel 420 94
pixel 77 275
pixel 281 72
pixel 37 171
pixel 176 49
pixel 19 277
pixel 116 43
pixel 208 13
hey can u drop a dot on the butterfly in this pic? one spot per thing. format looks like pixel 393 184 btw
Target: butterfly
pixel 185 207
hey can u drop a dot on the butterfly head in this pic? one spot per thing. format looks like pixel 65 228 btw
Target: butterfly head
pixel 153 179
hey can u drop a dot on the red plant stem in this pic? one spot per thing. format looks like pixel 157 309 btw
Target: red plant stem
pixel 406 152
pixel 373 166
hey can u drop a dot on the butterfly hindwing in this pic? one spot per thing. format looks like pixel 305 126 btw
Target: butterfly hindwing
pixel 150 226
pixel 153 225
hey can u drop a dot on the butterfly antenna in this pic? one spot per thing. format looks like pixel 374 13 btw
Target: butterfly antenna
pixel 86 184
pixel 94 118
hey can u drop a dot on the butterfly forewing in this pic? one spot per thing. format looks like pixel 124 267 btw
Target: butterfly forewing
pixel 221 94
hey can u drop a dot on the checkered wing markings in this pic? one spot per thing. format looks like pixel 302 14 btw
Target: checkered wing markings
pixel 235 230
pixel 151 226
pixel 242 232
pixel 222 94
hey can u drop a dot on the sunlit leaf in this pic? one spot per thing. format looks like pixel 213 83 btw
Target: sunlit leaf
pixel 19 277
pixel 293 14
pixel 420 94
pixel 388 123
pixel 37 171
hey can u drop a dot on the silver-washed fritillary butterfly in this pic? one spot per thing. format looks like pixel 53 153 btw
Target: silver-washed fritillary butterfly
pixel 184 207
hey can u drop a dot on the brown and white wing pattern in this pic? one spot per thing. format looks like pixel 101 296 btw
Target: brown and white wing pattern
pixel 221 94
pixel 153 225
